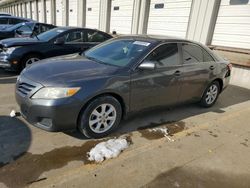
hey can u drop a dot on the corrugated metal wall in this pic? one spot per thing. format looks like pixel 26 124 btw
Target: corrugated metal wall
pixel 169 17
pixel 92 13
pixel 73 5
pixel 232 28
pixel 190 19
pixel 121 16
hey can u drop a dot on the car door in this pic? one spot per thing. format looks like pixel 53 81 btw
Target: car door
pixel 71 42
pixel 161 86
pixel 198 68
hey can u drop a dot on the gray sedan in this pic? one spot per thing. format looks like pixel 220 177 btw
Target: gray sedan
pixel 93 91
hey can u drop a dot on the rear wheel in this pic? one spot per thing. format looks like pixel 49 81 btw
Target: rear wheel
pixel 100 117
pixel 29 60
pixel 211 94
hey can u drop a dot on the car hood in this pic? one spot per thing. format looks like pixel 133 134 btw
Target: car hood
pixel 67 70
pixel 4 26
pixel 19 42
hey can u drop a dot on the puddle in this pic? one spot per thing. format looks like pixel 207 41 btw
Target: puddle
pixel 27 169
pixel 156 130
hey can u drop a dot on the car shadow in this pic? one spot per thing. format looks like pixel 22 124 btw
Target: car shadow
pixel 231 96
pixel 155 117
pixel 15 139
pixel 7 77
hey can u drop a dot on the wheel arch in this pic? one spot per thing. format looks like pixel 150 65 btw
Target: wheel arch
pixel 112 94
pixel 31 53
pixel 220 83
pixel 219 80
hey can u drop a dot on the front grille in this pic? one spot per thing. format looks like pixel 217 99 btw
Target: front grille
pixel 25 88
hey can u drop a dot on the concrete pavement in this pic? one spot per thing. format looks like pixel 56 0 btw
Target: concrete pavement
pixel 209 148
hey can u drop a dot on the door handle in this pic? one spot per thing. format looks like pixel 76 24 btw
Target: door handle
pixel 177 73
pixel 212 67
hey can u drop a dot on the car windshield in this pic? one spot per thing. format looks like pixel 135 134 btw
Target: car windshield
pixel 48 35
pixel 118 52
pixel 16 26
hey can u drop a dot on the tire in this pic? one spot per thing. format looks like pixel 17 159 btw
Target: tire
pixel 29 59
pixel 210 95
pixel 93 123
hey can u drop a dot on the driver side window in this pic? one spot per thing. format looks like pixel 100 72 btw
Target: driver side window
pixel 165 55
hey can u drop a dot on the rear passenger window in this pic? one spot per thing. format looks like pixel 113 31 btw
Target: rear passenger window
pixel 165 55
pixel 192 53
pixel 74 36
pixel 3 21
pixel 14 21
pixel 95 36
pixel 195 54
pixel 207 57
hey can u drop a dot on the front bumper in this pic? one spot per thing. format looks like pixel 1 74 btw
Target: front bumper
pixel 4 62
pixel 9 62
pixel 49 115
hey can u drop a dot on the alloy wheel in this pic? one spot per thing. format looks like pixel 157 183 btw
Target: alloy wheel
pixel 102 118
pixel 211 94
pixel 31 60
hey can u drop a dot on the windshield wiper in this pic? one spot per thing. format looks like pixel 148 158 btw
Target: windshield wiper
pixel 94 59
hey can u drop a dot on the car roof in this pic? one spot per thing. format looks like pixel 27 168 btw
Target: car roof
pixel 16 17
pixel 156 38
pixel 71 27
pixel 5 14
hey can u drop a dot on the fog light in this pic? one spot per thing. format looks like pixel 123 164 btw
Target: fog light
pixel 14 62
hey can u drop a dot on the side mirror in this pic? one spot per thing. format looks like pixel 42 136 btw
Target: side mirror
pixel 147 65
pixel 19 32
pixel 59 41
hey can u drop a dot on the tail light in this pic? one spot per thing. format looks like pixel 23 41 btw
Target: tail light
pixel 229 66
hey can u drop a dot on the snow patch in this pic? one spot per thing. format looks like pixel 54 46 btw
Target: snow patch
pixel 159 129
pixel 13 113
pixel 107 150
pixel 164 131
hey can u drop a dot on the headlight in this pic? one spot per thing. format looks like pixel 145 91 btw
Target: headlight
pixel 55 93
pixel 10 50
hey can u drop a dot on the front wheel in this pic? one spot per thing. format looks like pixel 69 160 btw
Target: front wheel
pixel 210 95
pixel 100 117
pixel 29 60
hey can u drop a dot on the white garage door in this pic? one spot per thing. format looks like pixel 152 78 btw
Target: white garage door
pixel 23 10
pixel 20 10
pixel 28 9
pixel 40 19
pixel 48 11
pixel 59 15
pixel 72 12
pixel 92 13
pixel 15 7
pixel 169 17
pixel 121 16
pixel 33 10
pixel 232 27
